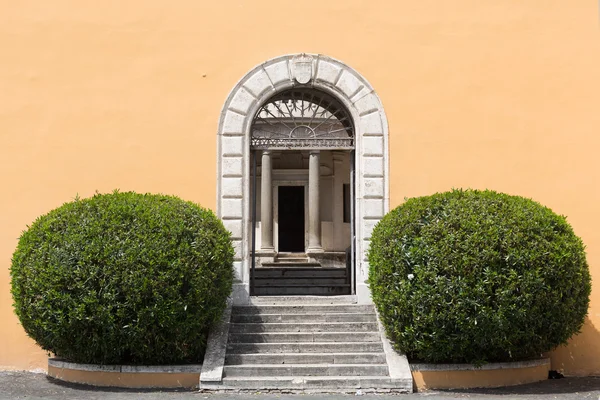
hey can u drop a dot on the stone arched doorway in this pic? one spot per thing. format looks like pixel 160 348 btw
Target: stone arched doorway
pixel 370 148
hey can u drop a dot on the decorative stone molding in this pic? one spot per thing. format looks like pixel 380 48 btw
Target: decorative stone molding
pixel 233 150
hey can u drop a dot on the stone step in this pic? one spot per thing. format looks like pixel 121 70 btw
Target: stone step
pixel 298 272
pixel 287 256
pixel 289 262
pixel 293 337
pixel 305 370
pixel 306 343
pixel 303 300
pixel 306 309
pixel 306 358
pixel 305 318
pixel 316 383
pixel 304 327
pixel 305 347
pixel 293 290
pixel 311 281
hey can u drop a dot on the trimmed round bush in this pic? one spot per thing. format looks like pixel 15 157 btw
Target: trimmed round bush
pixel 477 276
pixel 123 278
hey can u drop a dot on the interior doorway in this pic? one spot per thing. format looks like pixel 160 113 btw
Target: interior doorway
pixel 291 219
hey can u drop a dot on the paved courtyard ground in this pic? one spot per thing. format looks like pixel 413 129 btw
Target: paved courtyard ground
pixel 25 385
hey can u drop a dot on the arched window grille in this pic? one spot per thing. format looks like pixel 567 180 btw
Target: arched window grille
pixel 302 119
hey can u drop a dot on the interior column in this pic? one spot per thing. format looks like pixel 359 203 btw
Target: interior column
pixel 266 203
pixel 314 215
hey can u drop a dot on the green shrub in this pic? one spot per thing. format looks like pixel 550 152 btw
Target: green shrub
pixel 477 276
pixel 123 278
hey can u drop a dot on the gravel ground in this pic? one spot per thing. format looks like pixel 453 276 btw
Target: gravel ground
pixel 26 385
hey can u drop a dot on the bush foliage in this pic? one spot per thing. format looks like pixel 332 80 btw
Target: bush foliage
pixel 123 278
pixel 477 276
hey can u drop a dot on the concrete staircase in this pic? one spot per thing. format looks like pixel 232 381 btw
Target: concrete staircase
pixel 308 343
pixel 299 278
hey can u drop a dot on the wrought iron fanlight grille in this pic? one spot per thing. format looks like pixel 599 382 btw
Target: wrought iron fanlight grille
pixel 302 119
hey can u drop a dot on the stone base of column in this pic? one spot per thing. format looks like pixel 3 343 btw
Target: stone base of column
pixel 266 250
pixel 314 250
pixel 265 255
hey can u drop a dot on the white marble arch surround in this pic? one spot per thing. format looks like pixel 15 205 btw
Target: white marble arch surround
pixel 233 152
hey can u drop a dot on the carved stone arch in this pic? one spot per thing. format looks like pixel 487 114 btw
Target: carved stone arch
pixel 233 151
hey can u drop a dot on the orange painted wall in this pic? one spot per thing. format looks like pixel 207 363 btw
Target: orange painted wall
pixel 482 94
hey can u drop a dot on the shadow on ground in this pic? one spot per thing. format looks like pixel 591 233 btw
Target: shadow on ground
pixel 567 385
pixel 550 386
pixel 82 387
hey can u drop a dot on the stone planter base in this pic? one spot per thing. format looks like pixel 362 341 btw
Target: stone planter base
pixel 464 376
pixel 126 376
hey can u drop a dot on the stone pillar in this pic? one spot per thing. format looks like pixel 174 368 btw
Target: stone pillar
pixel 314 212
pixel 266 204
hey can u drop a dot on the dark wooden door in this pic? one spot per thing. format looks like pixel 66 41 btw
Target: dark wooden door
pixel 291 219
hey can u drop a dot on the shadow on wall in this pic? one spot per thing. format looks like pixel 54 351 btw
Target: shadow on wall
pixel 582 350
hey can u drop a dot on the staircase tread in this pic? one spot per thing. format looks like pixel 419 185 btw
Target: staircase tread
pixel 301 310
pixel 295 354
pixel 301 333
pixel 300 279
pixel 283 284
pixel 297 267
pixel 295 276
pixel 297 323
pixel 305 285
pixel 301 343
pixel 309 305
pixel 313 365
pixel 290 264
pixel 308 377
pixel 295 300
pixel 310 313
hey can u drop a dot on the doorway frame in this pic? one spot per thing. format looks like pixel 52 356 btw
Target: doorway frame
pixel 371 163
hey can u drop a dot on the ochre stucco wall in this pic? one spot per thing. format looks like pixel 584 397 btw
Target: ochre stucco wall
pixel 482 94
